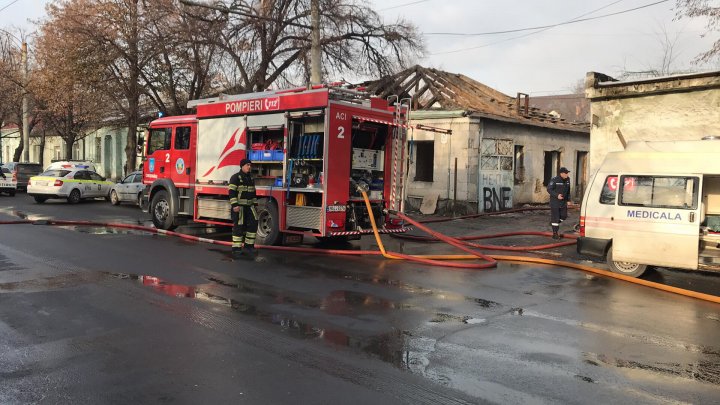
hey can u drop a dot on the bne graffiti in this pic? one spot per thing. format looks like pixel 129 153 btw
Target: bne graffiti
pixel 496 201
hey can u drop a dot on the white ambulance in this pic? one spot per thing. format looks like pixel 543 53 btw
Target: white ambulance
pixel 655 204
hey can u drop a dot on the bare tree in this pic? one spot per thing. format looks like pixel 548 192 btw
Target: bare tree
pixel 11 86
pixel 708 9
pixel 67 101
pixel 268 42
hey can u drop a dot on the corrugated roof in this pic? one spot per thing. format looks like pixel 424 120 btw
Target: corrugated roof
pixel 433 89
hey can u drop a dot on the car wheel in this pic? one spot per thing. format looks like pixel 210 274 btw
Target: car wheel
pixel 139 200
pixel 39 199
pixel 268 232
pixel 74 197
pixel 625 268
pixel 107 197
pixel 12 193
pixel 160 211
pixel 114 200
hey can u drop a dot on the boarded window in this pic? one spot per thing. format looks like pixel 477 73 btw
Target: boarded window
pixel 425 160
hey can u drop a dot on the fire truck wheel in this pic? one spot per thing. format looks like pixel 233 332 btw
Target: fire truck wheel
pixel 114 200
pixel 625 268
pixel 160 211
pixel 268 232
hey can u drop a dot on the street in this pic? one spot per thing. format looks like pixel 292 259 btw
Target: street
pixel 104 315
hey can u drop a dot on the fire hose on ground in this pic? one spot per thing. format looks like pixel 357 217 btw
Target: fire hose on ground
pixel 435 260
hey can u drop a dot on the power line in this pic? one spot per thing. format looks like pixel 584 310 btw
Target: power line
pixel 539 30
pixel 403 5
pixel 573 21
pixel 11 3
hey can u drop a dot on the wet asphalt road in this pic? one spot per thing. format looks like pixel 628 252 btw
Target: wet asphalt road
pixel 91 315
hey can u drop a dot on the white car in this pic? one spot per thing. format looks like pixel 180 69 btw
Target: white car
pixel 9 183
pixel 129 189
pixel 74 185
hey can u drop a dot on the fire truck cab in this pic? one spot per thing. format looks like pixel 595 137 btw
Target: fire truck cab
pixel 311 150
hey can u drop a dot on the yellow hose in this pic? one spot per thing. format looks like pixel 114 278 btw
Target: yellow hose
pixel 651 284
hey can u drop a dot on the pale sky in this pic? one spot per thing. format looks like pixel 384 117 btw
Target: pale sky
pixel 548 62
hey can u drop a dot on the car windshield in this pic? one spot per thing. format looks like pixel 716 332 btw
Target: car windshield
pixel 29 169
pixel 5 170
pixel 56 173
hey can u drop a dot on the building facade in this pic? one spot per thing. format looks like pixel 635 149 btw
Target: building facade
pixel 682 107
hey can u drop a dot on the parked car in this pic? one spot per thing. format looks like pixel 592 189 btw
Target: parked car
pixel 23 171
pixel 128 190
pixel 74 185
pixel 9 183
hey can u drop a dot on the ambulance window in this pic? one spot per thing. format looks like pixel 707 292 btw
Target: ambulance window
pixel 660 191
pixel 609 191
pixel 182 138
pixel 159 140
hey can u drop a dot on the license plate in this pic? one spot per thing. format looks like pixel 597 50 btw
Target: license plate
pixel 336 208
pixel 40 183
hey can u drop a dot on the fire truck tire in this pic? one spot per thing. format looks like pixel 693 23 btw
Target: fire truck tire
pixel 162 218
pixel 114 200
pixel 625 268
pixel 268 232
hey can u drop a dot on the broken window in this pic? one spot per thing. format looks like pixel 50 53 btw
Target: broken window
pixel 424 160
pixel 552 165
pixel 519 172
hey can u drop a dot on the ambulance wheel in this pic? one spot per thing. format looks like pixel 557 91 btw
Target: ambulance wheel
pixel 625 268
pixel 160 210
pixel 114 200
pixel 39 199
pixel 74 197
pixel 268 232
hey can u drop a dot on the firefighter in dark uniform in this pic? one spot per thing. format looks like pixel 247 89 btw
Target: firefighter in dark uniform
pixel 243 212
pixel 559 189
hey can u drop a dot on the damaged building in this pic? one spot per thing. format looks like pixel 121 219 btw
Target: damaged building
pixel 502 151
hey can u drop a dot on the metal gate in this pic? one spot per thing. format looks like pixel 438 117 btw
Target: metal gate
pixel 496 175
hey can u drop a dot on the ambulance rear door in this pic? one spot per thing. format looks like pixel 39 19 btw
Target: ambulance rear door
pixel 657 219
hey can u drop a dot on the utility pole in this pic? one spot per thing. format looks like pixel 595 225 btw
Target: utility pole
pixel 26 130
pixel 315 54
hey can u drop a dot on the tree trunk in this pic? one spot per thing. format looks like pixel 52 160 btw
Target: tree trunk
pixel 19 149
pixel 133 95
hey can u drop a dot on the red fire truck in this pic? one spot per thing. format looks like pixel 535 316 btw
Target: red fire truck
pixel 311 150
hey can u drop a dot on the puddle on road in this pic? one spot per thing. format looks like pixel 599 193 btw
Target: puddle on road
pixel 389 347
pixel 706 370
pixel 103 230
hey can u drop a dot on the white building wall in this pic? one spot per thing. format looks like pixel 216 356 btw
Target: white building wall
pixel 677 108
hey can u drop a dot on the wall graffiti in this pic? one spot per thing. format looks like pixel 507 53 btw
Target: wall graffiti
pixel 496 191
pixel 494 201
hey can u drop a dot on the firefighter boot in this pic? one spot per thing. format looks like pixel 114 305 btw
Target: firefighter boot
pixel 556 235
pixel 249 251
pixel 237 253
